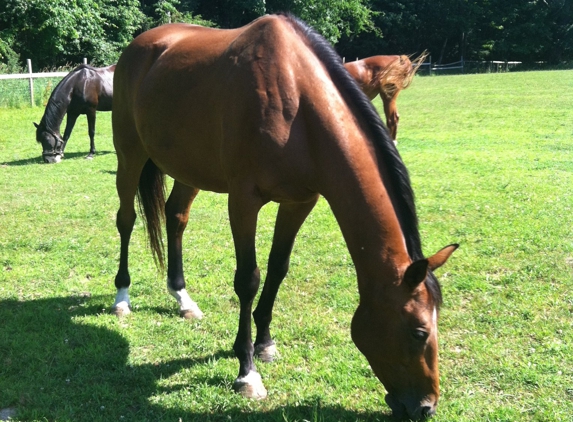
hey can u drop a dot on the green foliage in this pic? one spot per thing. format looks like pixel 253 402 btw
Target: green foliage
pixel 491 160
pixel 475 29
pixel 8 57
pixel 60 31
pixel 331 18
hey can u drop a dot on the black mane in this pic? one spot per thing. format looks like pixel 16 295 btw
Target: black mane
pixel 59 100
pixel 398 185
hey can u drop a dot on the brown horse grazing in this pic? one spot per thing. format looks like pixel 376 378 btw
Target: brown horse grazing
pixel 385 76
pixel 84 90
pixel 264 113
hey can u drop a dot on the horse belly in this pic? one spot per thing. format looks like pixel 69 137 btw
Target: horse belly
pixel 189 158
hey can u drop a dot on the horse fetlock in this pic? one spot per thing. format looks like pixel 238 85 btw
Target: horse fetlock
pixel 250 386
pixel 267 352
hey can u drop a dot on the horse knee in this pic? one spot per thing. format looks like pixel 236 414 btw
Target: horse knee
pixel 247 283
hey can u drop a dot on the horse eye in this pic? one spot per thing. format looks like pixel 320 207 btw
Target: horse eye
pixel 420 335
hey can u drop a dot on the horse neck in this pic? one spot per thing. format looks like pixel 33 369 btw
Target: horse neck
pixel 363 208
pixel 57 106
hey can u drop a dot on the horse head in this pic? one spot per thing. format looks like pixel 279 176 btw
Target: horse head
pixel 52 144
pixel 395 327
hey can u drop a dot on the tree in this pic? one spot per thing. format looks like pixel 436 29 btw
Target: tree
pixel 332 18
pixel 62 31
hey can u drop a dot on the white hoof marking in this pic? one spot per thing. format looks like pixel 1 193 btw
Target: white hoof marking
pixel 267 354
pixel 122 305
pixel 250 386
pixel 187 308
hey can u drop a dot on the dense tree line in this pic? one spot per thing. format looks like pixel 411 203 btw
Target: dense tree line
pixel 57 32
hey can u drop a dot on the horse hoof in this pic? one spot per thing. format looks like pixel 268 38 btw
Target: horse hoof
pixel 266 353
pixel 90 157
pixel 121 309
pixel 191 313
pixel 250 386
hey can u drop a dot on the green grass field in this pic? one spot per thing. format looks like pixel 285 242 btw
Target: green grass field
pixel 491 160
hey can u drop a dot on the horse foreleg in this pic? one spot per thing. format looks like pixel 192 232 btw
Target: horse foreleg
pixel 126 181
pixel 70 123
pixel 392 116
pixel 244 207
pixel 91 115
pixel 177 214
pixel 289 220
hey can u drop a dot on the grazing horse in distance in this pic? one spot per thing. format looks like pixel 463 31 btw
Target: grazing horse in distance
pixel 84 90
pixel 267 112
pixel 385 76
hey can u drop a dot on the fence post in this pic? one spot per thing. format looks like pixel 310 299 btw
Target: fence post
pixel 31 82
pixel 430 67
pixel 85 61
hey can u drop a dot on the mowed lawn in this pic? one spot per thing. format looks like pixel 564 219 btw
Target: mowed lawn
pixel 491 161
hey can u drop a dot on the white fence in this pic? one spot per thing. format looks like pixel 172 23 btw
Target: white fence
pixel 31 76
pixel 465 66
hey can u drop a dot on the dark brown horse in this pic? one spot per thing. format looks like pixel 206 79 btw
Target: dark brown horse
pixel 264 113
pixel 84 90
pixel 385 76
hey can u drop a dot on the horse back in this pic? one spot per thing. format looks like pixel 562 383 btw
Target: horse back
pixel 89 89
pixel 227 100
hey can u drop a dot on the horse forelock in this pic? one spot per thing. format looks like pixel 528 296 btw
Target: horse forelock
pixel 398 185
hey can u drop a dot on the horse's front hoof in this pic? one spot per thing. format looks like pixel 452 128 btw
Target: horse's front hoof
pixel 194 313
pixel 121 309
pixel 250 386
pixel 268 353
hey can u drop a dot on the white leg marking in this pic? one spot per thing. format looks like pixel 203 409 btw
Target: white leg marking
pixel 122 306
pixel 187 308
pixel 250 386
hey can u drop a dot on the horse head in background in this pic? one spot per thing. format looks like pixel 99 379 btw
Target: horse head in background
pixel 385 76
pixel 264 113
pixel 84 90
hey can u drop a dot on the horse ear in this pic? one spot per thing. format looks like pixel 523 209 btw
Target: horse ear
pixel 440 258
pixel 36 124
pixel 416 273
pixel 418 270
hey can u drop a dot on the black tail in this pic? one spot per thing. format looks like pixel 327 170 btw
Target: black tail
pixel 151 198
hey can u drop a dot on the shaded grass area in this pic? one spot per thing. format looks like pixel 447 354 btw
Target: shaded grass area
pixel 490 158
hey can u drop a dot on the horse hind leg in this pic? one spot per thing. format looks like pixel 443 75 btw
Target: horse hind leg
pixel 290 218
pixel 91 116
pixel 126 181
pixel 131 160
pixel 176 215
pixel 244 207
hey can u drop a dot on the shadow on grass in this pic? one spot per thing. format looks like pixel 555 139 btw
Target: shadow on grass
pixel 55 368
pixel 68 156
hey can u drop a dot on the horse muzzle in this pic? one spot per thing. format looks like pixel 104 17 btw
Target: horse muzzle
pixel 52 158
pixel 411 410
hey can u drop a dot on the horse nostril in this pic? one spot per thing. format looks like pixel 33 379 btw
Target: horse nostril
pixel 428 411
